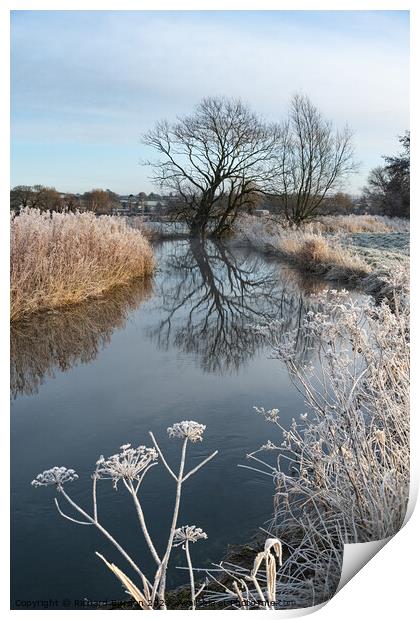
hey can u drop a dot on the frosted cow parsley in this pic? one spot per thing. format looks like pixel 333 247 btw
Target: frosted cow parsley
pixel 188 533
pixel 187 429
pixel 55 475
pixel 127 465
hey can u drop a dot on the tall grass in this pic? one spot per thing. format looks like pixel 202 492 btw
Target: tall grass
pixel 349 455
pixel 60 259
pixel 358 224
pixel 334 256
pixel 311 251
pixel 322 255
pixel 351 447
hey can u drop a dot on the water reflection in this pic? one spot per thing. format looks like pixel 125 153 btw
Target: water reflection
pixel 212 294
pixel 65 338
pixel 207 297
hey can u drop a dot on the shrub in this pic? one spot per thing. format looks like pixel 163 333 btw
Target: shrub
pixel 58 259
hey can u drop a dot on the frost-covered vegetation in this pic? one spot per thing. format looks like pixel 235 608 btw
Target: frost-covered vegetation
pixel 58 259
pixel 396 242
pixel 340 472
pixel 351 448
pixel 358 224
pixel 363 258
pixel 128 469
pixel 311 250
pixel 383 252
pixel 159 229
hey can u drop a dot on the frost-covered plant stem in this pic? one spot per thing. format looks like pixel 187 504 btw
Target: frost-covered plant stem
pixel 105 532
pixel 94 497
pixel 161 573
pixel 142 521
pixel 184 536
pixel 190 570
pixel 129 467
pixel 254 598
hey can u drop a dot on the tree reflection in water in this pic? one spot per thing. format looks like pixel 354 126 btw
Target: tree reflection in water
pixel 212 294
pixel 64 338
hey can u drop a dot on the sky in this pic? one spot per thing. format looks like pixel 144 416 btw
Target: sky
pixel 85 85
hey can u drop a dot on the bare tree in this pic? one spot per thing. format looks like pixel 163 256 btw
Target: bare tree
pixel 48 198
pixel 374 193
pixel 313 159
pixel 215 160
pixel 339 203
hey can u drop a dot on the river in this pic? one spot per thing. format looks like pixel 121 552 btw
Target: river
pixel 88 379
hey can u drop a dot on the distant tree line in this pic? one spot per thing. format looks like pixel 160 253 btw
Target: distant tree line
pixel 49 199
pixel 102 202
pixel 334 203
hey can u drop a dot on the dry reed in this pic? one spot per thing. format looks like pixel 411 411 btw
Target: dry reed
pixel 357 224
pixel 322 255
pixel 310 251
pixel 60 259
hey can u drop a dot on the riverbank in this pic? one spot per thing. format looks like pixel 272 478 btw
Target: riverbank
pixel 369 254
pixel 61 259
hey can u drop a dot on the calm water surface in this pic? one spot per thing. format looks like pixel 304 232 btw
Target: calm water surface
pixel 87 380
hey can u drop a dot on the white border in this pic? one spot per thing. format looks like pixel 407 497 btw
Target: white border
pixel 387 586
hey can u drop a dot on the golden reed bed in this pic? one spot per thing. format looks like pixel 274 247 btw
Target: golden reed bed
pixel 59 259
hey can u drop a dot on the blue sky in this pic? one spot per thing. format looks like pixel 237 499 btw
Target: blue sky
pixel 87 84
